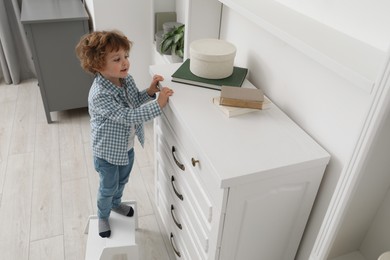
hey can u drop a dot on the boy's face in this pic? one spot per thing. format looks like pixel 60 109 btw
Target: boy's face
pixel 117 66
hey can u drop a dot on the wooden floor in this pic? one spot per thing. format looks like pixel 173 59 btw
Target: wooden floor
pixel 48 184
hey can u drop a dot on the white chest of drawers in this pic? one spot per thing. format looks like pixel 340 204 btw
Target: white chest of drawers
pixel 232 188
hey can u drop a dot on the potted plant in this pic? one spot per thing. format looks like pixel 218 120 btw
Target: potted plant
pixel 174 40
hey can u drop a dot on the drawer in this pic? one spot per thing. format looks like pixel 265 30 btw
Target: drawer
pixel 194 192
pixel 182 213
pixel 177 244
pixel 176 221
pixel 203 168
pixel 175 154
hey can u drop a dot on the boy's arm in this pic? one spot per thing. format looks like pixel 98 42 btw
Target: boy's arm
pixel 105 105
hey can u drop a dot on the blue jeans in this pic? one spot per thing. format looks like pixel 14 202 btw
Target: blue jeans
pixel 113 179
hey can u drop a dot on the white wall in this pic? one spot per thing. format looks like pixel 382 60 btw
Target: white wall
pixel 377 240
pixel 164 5
pixel 366 226
pixel 329 108
pixel 133 19
pixel 365 20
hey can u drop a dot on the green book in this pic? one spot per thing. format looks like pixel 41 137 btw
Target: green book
pixel 184 75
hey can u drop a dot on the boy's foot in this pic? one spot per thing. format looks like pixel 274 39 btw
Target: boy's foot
pixel 124 210
pixel 104 227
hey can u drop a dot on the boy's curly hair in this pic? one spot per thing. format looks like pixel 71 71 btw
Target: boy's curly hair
pixel 93 47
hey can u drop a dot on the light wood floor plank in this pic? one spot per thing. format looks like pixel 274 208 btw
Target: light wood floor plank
pixel 3 166
pixel 76 210
pixel 46 136
pixel 8 93
pixel 93 176
pixel 147 174
pixel 23 132
pixel 15 210
pixel 46 219
pixel 7 113
pixel 73 161
pixel 46 213
pixel 135 190
pixel 150 241
pixel 50 249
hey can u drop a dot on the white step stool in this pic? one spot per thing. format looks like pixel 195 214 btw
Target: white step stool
pixel 122 239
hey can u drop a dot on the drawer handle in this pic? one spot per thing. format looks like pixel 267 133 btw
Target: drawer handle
pixel 174 189
pixel 174 219
pixel 173 246
pixel 179 164
pixel 194 162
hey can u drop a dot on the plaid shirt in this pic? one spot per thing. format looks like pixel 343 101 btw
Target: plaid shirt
pixel 113 110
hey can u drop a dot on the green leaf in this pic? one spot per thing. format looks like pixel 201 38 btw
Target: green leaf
pixel 174 40
pixel 178 37
pixel 180 53
pixel 165 45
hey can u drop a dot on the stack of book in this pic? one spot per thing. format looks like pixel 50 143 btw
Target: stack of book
pixel 235 101
pixel 184 75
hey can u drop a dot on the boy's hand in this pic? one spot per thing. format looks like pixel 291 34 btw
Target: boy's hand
pixel 164 95
pixel 154 88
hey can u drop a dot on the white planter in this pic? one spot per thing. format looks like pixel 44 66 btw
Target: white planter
pixel 159 38
pixel 212 58
pixel 169 26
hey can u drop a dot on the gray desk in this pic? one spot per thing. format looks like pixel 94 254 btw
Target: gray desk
pixel 53 28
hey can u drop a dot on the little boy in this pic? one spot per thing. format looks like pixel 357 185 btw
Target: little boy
pixel 118 110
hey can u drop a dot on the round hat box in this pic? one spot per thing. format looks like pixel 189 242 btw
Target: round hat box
pixel 212 58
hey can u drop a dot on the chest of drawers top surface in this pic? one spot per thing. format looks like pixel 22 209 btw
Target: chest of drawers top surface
pixel 244 148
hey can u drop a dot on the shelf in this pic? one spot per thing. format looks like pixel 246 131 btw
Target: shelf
pixel 352 59
pixel 198 23
pixel 159 58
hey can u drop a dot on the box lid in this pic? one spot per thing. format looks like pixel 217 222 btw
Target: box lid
pixel 212 50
